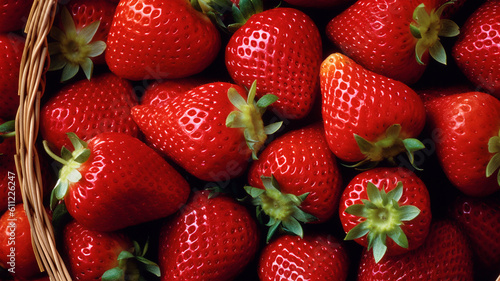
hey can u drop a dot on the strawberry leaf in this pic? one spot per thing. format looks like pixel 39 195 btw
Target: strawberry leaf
pixel 125 255
pixel 358 231
pixel 379 247
pixel 398 236
pixel 408 212
pixel 113 274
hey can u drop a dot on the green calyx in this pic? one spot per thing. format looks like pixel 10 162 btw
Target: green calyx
pixel 7 130
pixel 241 14
pixel 74 47
pixel 282 209
pixel 387 148
pixel 216 10
pixel 381 217
pixel 130 265
pixel 427 28
pixel 71 163
pixel 249 117
pixel 494 163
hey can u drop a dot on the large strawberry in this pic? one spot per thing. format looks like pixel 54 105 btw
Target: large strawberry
pixel 469 144
pixel 445 255
pixel 211 131
pixel 11 50
pixel 80 37
pixel 316 257
pixel 477 51
pixel 92 255
pixel 153 39
pixel 303 168
pixel 368 117
pixel 14 14
pixel 115 181
pixel 281 49
pixel 392 37
pixel 159 93
pixel 211 239
pixel 387 210
pixel 88 108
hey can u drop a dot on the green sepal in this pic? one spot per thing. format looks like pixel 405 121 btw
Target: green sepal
pixel 358 231
pixel 379 247
pixel 494 163
pixel 398 236
pixel 293 226
pixel 8 130
pixel 124 255
pixel 114 274
pixel 272 231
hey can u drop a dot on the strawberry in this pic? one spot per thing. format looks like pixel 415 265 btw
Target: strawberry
pixel 206 130
pixel 368 117
pixel 386 203
pixel 118 258
pixel 301 163
pixel 318 257
pixel 212 238
pixel 88 108
pixel 115 181
pixel 444 256
pixel 11 50
pixel 477 50
pixel 159 93
pixel 80 36
pixel 16 250
pixel 281 49
pixel 468 146
pixel 160 39
pixel 14 14
pixel 480 220
pixel 396 36
pixel 319 3
pixel 9 184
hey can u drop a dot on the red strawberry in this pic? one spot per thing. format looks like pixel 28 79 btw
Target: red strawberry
pixel 14 14
pixel 392 37
pixel 210 239
pixel 444 256
pixel 477 51
pixel 368 117
pixel 301 163
pixel 88 108
pixel 16 251
pixel 387 209
pixel 158 93
pixel 469 144
pixel 80 36
pixel 160 39
pixel 317 257
pixel 206 129
pixel 115 181
pixel 11 50
pixel 319 3
pixel 281 49
pixel 9 184
pixel 110 255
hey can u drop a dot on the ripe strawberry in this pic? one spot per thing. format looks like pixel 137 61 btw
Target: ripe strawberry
pixel 88 108
pixel 319 3
pixel 149 40
pixel 469 144
pixel 368 117
pixel 210 239
pixel 281 49
pixel 318 257
pixel 9 184
pixel 80 36
pixel 444 256
pixel 14 14
pixel 16 251
pixel 158 93
pixel 386 203
pixel 115 181
pixel 477 49
pixel 118 258
pixel 301 163
pixel 392 37
pixel 206 129
pixel 11 50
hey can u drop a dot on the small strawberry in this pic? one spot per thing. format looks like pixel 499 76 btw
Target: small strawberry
pixel 316 257
pixel 368 117
pixel 88 108
pixel 469 144
pixel 158 93
pixel 393 38
pixel 14 14
pixel 93 255
pixel 301 163
pixel 387 210
pixel 477 51
pixel 211 239
pixel 445 255
pixel 11 50
pixel 160 39
pixel 281 49
pixel 115 181
pixel 211 131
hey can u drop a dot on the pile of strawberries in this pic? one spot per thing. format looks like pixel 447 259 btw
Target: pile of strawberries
pixel 262 140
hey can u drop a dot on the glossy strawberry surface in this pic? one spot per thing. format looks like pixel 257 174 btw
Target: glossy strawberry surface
pixel 11 50
pixel 14 14
pixel 158 93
